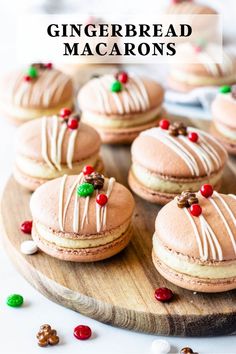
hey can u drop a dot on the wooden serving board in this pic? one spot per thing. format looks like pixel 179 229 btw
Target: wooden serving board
pixel 120 290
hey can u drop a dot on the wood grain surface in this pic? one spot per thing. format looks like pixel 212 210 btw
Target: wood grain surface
pixel 120 290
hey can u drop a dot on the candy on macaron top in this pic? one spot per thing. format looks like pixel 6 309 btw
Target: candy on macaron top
pixel 208 225
pixel 181 151
pixel 120 94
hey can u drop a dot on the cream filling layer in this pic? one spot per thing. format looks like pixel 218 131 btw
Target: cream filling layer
pixel 38 169
pixel 192 79
pixel 156 183
pixel 29 113
pixel 181 265
pixel 92 241
pixel 116 122
pixel 229 133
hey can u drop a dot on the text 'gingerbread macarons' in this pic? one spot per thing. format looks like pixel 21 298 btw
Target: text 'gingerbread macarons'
pixel 82 218
pixel 50 147
pixel 120 106
pixel 171 158
pixel 224 117
pixel 35 91
pixel 194 245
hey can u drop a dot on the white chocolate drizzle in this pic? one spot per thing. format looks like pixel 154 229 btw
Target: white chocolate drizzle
pixel 56 137
pixel 101 212
pixel 61 202
pixel 209 157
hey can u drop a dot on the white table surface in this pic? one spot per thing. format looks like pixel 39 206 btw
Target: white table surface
pixel 18 327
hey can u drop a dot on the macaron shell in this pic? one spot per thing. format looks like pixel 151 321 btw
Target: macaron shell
pixel 180 237
pixel 45 203
pixel 193 283
pixel 29 141
pixel 49 89
pixel 224 110
pixel 189 7
pixel 229 144
pixel 89 97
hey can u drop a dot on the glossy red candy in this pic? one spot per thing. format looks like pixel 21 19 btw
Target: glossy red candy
pixel 73 123
pixel 87 170
pixel 163 294
pixel 26 226
pixel 193 137
pixel 206 190
pixel 164 124
pixel 65 112
pixel 195 210
pixel 82 332
pixel 101 199
pixel 122 77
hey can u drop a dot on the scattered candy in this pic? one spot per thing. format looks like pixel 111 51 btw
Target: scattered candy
pixel 48 66
pixel 177 128
pixel 15 300
pixel 32 72
pixel 186 350
pixel 85 189
pixel 96 179
pixel 26 226
pixel 186 199
pixel 47 336
pixel 192 136
pixel 82 332
pixel 65 112
pixel 87 170
pixel 206 190
pixel 116 86
pixel 163 294
pixel 225 89
pixel 73 123
pixel 101 199
pixel 122 77
pixel 195 210
pixel 27 78
pixel 164 124
pixel 28 247
pixel 160 346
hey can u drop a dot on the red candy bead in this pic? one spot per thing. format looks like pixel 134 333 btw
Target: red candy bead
pixel 101 199
pixel 163 294
pixel 65 112
pixel 206 190
pixel 122 77
pixel 195 209
pixel 193 137
pixel 26 226
pixel 48 65
pixel 27 78
pixel 82 332
pixel 164 124
pixel 87 170
pixel 73 123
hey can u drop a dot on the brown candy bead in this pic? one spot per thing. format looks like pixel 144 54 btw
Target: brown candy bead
pixel 173 131
pixel 43 342
pixel 192 200
pixel 47 336
pixel 96 179
pixel 186 350
pixel 53 340
pixel 38 65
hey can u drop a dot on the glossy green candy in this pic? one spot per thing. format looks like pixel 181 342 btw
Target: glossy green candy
pixel 15 300
pixel 225 89
pixel 32 72
pixel 116 86
pixel 85 189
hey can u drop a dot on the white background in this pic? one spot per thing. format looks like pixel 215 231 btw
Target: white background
pixel 18 327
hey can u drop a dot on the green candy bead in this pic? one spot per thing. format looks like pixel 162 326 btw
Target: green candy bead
pixel 32 72
pixel 201 42
pixel 116 86
pixel 85 189
pixel 15 300
pixel 225 89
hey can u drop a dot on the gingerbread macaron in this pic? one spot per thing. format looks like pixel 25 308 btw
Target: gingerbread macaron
pixel 49 147
pixel 171 158
pixel 194 245
pixel 82 218
pixel 39 90
pixel 120 106
pixel 201 69
pixel 224 117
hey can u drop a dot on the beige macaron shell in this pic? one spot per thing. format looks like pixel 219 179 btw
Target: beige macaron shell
pixel 224 110
pixel 89 97
pixel 154 155
pixel 50 89
pixel 29 141
pixel 45 203
pixel 174 230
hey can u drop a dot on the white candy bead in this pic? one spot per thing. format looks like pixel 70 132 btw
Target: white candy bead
pixel 28 247
pixel 160 346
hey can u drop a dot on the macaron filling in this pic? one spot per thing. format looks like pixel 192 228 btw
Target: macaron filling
pixel 199 80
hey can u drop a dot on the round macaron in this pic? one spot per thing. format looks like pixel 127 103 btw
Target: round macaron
pixel 121 106
pixel 188 7
pixel 82 218
pixel 224 117
pixel 49 147
pixel 198 71
pixel 194 244
pixel 171 158
pixel 35 91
